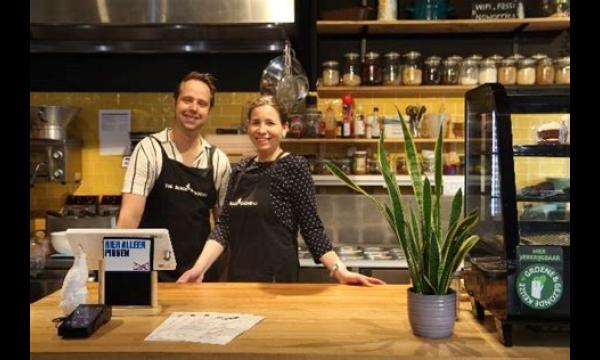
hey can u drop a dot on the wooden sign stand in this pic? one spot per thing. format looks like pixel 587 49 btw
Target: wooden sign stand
pixel 130 310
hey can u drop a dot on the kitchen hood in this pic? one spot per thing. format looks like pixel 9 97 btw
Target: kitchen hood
pixel 160 26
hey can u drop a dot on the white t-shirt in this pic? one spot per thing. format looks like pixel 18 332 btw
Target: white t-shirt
pixel 146 162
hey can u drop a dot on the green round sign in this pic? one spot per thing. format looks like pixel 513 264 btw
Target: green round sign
pixel 539 286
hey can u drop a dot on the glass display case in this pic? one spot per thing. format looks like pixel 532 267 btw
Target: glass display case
pixel 517 178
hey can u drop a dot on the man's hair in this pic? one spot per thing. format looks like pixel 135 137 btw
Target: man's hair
pixel 270 101
pixel 206 78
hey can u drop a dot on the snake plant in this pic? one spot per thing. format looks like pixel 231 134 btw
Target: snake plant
pixel 433 253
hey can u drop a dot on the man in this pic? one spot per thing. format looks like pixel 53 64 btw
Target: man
pixel 175 177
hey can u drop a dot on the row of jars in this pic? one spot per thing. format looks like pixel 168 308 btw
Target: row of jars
pixel 454 70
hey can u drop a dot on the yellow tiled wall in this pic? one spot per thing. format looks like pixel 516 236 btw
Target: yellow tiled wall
pixel 103 175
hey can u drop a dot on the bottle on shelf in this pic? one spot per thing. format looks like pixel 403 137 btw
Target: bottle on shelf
pixel 374 123
pixel 359 123
pixel 330 121
pixel 347 116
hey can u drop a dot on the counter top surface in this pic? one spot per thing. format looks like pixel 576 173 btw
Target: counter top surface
pixel 302 321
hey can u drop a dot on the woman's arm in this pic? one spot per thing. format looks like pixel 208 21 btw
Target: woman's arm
pixel 210 253
pixel 304 208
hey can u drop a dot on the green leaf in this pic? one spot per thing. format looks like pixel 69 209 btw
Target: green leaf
pixel 438 182
pixel 434 263
pixel 414 168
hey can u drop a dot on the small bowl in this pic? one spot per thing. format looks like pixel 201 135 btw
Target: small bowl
pixel 60 243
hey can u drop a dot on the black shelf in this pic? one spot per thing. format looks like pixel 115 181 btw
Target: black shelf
pixel 543 226
pixel 563 150
pixel 549 199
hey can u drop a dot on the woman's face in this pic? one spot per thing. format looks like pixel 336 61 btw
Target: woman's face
pixel 265 129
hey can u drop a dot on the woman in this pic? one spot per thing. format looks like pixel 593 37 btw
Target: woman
pixel 268 198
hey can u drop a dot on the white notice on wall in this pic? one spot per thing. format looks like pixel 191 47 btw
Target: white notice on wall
pixel 113 128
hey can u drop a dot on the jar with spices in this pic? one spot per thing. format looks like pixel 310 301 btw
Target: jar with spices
pixel 469 72
pixel 331 73
pixel 433 71
pixel 478 58
pixel 450 71
pixel 538 56
pixel 371 70
pixel 373 166
pixel 411 71
pixel 351 75
pixel 544 71
pixel 497 59
pixel 526 72
pixel 488 72
pixel 391 69
pixel 562 70
pixel 345 164
pixel 401 168
pixel 507 72
pixel 359 162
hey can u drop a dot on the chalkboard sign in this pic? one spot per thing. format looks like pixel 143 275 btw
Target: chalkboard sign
pixel 497 9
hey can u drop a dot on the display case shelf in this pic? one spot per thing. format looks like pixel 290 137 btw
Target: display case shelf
pixel 542 150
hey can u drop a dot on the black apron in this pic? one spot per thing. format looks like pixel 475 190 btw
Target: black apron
pixel 180 201
pixel 262 249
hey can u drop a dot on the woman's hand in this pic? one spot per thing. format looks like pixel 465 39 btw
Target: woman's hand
pixel 352 278
pixel 192 275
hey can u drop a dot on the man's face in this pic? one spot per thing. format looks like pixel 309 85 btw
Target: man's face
pixel 192 106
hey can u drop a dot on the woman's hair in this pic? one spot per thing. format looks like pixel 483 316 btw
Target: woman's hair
pixel 206 78
pixel 270 101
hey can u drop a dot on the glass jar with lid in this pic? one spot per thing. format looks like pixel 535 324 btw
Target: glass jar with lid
pixel 544 71
pixel 433 70
pixel 562 70
pixel 450 71
pixel 411 70
pixel 538 56
pixel 351 75
pixel 371 70
pixel 469 72
pixel 391 69
pixel 456 58
pixel 478 58
pixel 526 71
pixel 488 73
pixel 359 162
pixel 497 59
pixel 507 72
pixel 516 57
pixel 331 73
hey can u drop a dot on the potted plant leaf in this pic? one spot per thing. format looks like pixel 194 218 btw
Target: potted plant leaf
pixel 433 253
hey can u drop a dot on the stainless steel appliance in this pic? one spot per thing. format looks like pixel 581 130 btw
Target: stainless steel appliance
pixel 53 157
pixel 149 26
pixel 50 121
pixel 54 161
pixel 387 263
pixel 81 211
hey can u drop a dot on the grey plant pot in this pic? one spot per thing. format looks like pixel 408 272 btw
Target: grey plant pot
pixel 432 316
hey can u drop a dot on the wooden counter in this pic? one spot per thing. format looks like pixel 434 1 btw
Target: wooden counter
pixel 302 321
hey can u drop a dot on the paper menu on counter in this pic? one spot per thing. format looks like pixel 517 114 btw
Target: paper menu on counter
pixel 203 327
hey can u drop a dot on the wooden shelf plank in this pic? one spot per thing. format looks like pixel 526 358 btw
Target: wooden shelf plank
pixel 362 141
pixel 394 91
pixel 443 26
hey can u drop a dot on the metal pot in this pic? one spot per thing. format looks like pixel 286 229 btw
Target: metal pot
pixel 288 84
pixel 50 121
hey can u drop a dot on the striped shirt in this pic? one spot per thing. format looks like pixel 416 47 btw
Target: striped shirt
pixel 146 162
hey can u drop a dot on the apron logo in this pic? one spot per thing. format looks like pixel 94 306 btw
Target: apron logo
pixel 186 188
pixel 240 202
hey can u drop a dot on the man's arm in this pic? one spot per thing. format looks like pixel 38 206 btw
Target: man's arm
pixel 132 209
